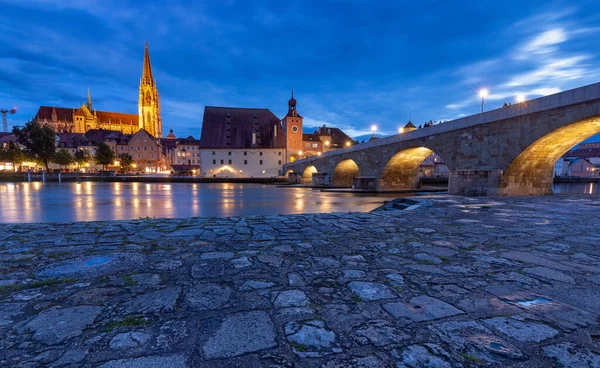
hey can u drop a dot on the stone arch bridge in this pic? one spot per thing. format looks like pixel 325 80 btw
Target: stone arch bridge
pixel 507 151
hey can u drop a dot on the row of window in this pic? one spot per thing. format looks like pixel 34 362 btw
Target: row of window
pixel 245 162
pixel 131 148
pixel 245 153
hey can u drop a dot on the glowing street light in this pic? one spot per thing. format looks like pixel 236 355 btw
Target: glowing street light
pixel 300 154
pixel 327 143
pixel 373 130
pixel 318 153
pixel 348 144
pixel 401 130
pixel 483 93
pixel 520 98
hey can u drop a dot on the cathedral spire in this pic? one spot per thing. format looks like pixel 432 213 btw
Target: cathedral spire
pixel 89 100
pixel 147 77
pixel 149 104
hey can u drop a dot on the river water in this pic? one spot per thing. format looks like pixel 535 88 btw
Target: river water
pixel 92 201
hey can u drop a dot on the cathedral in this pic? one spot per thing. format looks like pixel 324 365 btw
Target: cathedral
pixel 85 118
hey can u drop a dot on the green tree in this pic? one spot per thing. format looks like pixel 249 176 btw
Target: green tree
pixel 81 157
pixel 38 141
pixel 126 161
pixel 104 155
pixel 63 158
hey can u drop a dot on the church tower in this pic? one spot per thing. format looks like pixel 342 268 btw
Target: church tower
pixel 292 127
pixel 149 105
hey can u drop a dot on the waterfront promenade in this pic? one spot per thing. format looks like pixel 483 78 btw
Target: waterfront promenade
pixel 448 282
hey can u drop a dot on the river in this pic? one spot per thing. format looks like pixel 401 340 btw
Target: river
pixel 96 201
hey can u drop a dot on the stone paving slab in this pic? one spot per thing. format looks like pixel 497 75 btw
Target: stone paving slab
pixel 456 282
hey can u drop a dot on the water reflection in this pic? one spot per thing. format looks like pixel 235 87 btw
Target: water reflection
pixel 575 188
pixel 43 202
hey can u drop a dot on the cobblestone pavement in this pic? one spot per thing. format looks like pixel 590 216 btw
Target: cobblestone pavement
pixel 453 282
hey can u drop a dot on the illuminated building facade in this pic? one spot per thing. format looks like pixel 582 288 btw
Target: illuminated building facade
pixel 86 118
pixel 241 142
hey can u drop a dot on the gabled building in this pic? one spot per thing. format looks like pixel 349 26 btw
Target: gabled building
pixel 241 142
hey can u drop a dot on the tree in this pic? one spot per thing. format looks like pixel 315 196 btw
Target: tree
pixel 12 153
pixel 63 158
pixel 126 161
pixel 104 155
pixel 81 157
pixel 38 141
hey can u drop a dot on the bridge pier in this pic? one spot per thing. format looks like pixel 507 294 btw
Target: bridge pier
pixel 475 182
pixel 321 178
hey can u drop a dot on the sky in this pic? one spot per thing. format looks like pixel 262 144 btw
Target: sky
pixel 351 63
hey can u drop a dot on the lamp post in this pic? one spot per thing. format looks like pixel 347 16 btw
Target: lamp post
pixel 373 130
pixel 483 93
pixel 520 98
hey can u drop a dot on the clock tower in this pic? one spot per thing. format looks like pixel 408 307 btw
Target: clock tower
pixel 292 127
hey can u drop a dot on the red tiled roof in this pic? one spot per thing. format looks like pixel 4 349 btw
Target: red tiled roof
pixel 217 133
pixel 62 113
pixel 104 117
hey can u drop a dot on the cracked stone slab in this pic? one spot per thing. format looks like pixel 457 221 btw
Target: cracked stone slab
pixel 153 361
pixel 239 334
pixel 520 330
pixel 207 296
pixel 571 355
pixel 549 273
pixel 129 340
pixel 473 340
pixel 54 326
pixel 311 339
pixel 370 291
pixel 91 266
pixel 421 308
pixel 291 298
pixel 422 356
pixel 154 302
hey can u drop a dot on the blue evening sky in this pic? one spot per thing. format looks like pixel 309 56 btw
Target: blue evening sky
pixel 352 63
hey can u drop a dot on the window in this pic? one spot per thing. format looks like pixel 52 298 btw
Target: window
pixel 145 148
pixel 279 162
pixel 245 153
pixel 221 162
pixel 213 153
pixel 151 148
pixel 279 153
pixel 138 155
pixel 315 145
pixel 229 162
pixel 153 155
pixel 121 148
pixel 260 154
pixel 245 162
pixel 260 162
pixel 229 153
pixel 138 148
pixel 214 162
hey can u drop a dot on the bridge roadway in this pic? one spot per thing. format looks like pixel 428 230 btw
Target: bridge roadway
pixel 506 151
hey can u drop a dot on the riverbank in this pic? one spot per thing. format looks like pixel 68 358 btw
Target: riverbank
pixel 71 177
pixel 453 281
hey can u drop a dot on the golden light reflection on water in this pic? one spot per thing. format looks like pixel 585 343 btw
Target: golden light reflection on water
pixel 32 202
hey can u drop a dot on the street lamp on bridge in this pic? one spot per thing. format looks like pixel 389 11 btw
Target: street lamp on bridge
pixel 483 93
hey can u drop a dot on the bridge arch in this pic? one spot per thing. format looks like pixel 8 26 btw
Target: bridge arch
pixel 532 171
pixel 344 173
pixel 307 174
pixel 402 170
